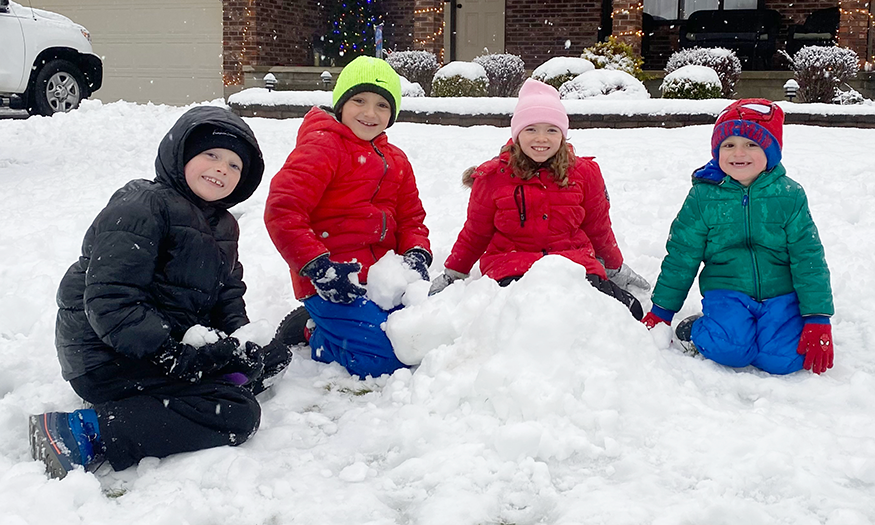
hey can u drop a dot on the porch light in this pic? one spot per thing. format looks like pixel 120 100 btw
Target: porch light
pixel 326 78
pixel 269 81
pixel 790 89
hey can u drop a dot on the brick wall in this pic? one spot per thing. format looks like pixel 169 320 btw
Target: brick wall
pixel 537 31
pixel 428 18
pixel 626 17
pixel 398 25
pixel 854 27
pixel 268 33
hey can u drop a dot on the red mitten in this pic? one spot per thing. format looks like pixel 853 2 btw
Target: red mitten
pixel 816 345
pixel 651 319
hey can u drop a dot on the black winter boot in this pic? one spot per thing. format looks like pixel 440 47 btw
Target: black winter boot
pixel 684 334
pixel 278 353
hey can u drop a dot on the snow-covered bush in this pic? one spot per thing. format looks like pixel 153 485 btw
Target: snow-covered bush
pixel 415 66
pixel 603 83
pixel 723 61
pixel 410 89
pixel 460 79
pixel 506 73
pixel 849 97
pixel 691 82
pixel 615 55
pixel 559 70
pixel 821 70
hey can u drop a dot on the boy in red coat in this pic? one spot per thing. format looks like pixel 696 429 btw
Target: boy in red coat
pixel 344 198
pixel 536 198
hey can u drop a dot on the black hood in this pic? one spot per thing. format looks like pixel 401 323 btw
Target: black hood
pixel 170 167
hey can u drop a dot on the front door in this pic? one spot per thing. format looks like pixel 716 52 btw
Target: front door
pixel 479 28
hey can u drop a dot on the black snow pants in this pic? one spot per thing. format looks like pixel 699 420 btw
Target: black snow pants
pixel 144 413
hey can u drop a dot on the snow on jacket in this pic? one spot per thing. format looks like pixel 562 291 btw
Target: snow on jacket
pixel 512 222
pixel 759 240
pixel 337 194
pixel 156 261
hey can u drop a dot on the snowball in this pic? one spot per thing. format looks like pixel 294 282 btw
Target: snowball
pixel 389 280
pixel 198 336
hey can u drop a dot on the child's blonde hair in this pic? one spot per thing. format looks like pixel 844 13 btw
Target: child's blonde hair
pixel 526 168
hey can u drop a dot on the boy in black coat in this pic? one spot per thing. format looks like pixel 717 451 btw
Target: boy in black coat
pixel 160 259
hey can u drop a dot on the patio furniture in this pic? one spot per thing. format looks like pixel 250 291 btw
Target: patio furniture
pixel 820 29
pixel 751 33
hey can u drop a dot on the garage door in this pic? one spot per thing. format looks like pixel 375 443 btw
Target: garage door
pixel 160 51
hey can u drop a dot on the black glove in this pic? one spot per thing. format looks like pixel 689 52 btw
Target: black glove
pixel 419 260
pixel 188 363
pixel 331 279
pixel 245 365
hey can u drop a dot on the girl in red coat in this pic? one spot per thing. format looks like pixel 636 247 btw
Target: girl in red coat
pixel 344 198
pixel 536 198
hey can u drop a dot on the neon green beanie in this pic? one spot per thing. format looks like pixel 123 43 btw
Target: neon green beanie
pixel 368 74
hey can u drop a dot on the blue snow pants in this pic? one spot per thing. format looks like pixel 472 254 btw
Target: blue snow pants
pixel 736 330
pixel 351 335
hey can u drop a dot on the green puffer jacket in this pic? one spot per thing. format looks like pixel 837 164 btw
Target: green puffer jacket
pixel 759 240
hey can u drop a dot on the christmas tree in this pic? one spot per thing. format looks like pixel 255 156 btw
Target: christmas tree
pixel 351 29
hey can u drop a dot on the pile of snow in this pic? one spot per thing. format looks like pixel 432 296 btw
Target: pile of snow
pixel 411 89
pixel 558 66
pixel 541 402
pixel 467 70
pixel 604 83
pixel 701 80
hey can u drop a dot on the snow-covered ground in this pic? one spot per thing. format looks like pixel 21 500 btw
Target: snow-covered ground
pixel 543 402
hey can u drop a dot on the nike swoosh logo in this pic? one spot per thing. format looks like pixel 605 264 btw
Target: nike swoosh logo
pixel 380 81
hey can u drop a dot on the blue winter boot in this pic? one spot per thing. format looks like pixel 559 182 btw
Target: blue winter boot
pixel 64 440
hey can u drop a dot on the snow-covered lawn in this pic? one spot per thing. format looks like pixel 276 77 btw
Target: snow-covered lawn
pixel 543 402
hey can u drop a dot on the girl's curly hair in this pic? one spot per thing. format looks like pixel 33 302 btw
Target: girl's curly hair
pixel 526 168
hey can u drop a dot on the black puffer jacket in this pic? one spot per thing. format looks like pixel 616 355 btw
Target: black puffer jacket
pixel 156 261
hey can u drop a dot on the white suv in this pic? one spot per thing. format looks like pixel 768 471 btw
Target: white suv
pixel 46 62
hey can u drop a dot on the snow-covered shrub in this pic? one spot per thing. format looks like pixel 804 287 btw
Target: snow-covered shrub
pixel 723 61
pixel 460 79
pixel 615 55
pixel 691 82
pixel 559 70
pixel 849 97
pixel 415 66
pixel 506 73
pixel 821 70
pixel 410 89
pixel 603 83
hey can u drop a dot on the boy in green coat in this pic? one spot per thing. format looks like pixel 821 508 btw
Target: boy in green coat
pixel 766 296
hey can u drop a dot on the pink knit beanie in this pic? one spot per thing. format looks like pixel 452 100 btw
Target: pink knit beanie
pixel 538 104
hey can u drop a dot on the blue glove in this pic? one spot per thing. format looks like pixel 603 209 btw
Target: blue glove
pixel 419 260
pixel 331 279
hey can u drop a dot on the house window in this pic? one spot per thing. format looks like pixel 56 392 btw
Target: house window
pixel 681 9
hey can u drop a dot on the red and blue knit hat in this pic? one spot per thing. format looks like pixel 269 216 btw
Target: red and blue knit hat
pixel 756 119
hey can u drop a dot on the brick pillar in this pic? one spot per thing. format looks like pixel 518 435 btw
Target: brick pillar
pixel 854 27
pixel 627 22
pixel 428 26
pixel 238 39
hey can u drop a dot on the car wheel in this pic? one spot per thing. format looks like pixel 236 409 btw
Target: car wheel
pixel 59 87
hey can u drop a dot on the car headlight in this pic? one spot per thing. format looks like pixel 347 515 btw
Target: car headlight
pixel 86 34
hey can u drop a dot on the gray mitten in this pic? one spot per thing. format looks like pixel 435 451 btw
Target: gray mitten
pixel 445 279
pixel 624 277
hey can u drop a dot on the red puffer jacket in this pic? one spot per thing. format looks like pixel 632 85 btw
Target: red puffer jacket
pixel 341 195
pixel 512 223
